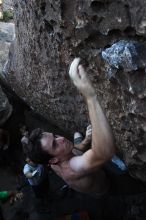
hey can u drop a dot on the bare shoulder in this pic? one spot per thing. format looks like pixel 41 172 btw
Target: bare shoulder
pixel 86 163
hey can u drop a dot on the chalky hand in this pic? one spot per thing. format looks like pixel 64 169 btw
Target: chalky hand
pixel 80 79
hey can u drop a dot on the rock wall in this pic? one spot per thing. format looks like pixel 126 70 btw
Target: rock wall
pixel 7 33
pixel 49 34
pixel 7 5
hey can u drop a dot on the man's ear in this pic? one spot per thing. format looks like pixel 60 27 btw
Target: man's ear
pixel 53 161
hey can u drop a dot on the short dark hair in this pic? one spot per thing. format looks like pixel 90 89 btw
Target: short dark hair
pixel 35 151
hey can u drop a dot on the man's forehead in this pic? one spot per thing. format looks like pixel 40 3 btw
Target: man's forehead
pixel 47 133
pixel 47 140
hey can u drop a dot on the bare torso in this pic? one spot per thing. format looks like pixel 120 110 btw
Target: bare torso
pixel 95 182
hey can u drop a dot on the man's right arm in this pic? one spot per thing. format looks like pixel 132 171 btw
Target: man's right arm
pixel 102 148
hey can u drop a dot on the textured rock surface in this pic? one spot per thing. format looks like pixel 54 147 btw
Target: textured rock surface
pixel 128 55
pixel 49 34
pixel 7 5
pixel 7 34
pixel 6 37
pixel 5 108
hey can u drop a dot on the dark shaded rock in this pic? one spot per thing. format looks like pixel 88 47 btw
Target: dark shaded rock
pixel 49 34
pixel 6 36
pixel 5 108
pixel 137 11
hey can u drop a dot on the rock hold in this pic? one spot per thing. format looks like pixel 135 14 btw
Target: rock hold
pixel 128 55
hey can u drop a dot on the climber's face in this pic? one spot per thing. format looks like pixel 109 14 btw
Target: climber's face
pixel 55 145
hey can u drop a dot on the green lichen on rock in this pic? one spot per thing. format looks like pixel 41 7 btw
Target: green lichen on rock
pixel 7 15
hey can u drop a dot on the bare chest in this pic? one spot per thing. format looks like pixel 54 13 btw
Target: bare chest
pixel 78 182
pixel 66 173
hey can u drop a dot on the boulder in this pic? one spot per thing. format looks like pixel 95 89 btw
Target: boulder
pixel 49 34
pixel 5 108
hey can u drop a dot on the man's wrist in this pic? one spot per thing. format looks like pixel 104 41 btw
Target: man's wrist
pixel 91 98
pixel 87 139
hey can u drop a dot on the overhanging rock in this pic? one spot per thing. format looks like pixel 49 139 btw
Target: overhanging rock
pixel 49 34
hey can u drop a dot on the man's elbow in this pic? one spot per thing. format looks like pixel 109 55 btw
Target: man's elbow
pixel 111 150
pixel 107 150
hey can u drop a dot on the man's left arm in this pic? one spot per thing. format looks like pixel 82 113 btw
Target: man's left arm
pixel 85 145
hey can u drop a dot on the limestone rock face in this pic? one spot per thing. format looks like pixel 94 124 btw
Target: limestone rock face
pixel 49 34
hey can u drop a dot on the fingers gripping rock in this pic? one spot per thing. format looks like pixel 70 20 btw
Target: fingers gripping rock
pixel 77 73
pixel 82 72
pixel 89 130
pixel 73 71
pixel 80 79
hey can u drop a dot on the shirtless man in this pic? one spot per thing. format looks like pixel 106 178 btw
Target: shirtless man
pixel 82 173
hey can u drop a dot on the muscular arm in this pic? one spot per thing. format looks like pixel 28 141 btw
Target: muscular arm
pixel 102 137
pixel 102 147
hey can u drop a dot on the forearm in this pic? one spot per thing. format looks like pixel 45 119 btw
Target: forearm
pixel 102 137
pixel 84 145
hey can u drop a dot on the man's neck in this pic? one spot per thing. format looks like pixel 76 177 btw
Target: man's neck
pixel 65 159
